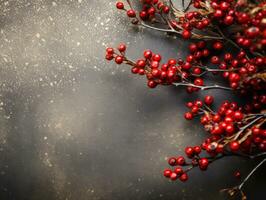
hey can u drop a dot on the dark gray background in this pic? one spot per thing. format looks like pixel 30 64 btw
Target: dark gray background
pixel 73 126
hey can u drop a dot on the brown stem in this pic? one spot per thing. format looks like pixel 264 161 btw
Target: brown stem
pixel 202 87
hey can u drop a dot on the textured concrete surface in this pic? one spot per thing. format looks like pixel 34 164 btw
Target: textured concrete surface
pixel 73 126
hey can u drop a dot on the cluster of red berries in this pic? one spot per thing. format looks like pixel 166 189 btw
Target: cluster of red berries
pixel 148 12
pixel 173 71
pixel 111 54
pixel 239 69
pixel 254 34
pixel 182 165
pixel 228 122
pixel 226 12
pixel 232 129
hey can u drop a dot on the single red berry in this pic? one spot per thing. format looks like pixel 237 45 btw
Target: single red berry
pixel 173 176
pixel 131 13
pixel 120 5
pixel 172 161
pixel 186 34
pixel 224 5
pixel 189 151
pixel 178 170
pixel 180 160
pixel 255 131
pixel 237 174
pixel 238 116
pixel 218 45
pixel 141 63
pixel 122 48
pixel 109 57
pixel 183 177
pixel 203 163
pixel 109 50
pixel 147 54
pixel 166 9
pixel 167 173
pixel 156 57
pixel 135 70
pixel 188 116
pixel 215 60
pixel 151 84
pixel 198 81
pixel 230 128
pixel 193 47
pixel 119 59
pixel 234 146
pixel 228 20
pixel 143 15
pixel 197 149
pixel 208 100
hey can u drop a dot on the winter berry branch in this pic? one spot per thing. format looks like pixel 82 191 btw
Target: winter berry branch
pixel 218 26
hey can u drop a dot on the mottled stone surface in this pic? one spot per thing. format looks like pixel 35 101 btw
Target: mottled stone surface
pixel 73 126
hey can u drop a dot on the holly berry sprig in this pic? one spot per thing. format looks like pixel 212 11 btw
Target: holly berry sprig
pixel 234 131
pixel 214 25
pixel 243 74
pixel 239 22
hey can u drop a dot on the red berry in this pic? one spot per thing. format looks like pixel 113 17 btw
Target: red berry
pixel 198 82
pixel 143 15
pixel 141 63
pixel 217 45
pixel 208 100
pixel 109 57
pixel 197 149
pixel 167 173
pixel 119 59
pixel 193 47
pixel 178 170
pixel 188 116
pixel 228 20
pixel 180 160
pixel 147 54
pixel 237 174
pixel 189 151
pixel 156 57
pixel 234 146
pixel 135 70
pixel 183 177
pixel 172 161
pixel 120 5
pixel 131 13
pixel 173 176
pixel 122 48
pixel 186 34
pixel 238 116
pixel 203 163
pixel 109 50
pixel 151 84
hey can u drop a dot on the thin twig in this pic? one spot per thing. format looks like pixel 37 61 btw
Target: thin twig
pixel 202 87
pixel 251 173
pixel 246 126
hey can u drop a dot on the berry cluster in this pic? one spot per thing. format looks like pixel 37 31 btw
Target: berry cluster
pixel 149 10
pixel 214 17
pixel 244 74
pixel 233 131
pixel 216 25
